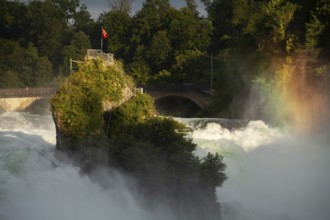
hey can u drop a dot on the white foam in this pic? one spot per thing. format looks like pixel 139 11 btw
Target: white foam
pixel 34 185
pixel 271 175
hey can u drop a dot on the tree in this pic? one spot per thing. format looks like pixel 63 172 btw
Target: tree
pixel 149 20
pixel 159 52
pixel 43 72
pixel 160 33
pixel 187 31
pixel 46 25
pixel 83 20
pixel 212 176
pixel 117 24
pixel 323 14
pixel 23 66
pixel 11 20
pixel 155 152
pixel 120 5
pixel 67 6
pixel 212 169
pixel 191 5
pixel 9 79
pixel 77 50
pixel 140 72
pixel 192 66
pixel 18 60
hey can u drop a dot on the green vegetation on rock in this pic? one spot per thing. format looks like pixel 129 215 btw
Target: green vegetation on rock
pixel 82 97
pixel 135 111
pixel 152 149
pixel 155 151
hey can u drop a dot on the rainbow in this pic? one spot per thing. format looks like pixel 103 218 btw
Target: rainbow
pixel 297 99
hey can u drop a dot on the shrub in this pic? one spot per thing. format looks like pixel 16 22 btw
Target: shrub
pixel 79 100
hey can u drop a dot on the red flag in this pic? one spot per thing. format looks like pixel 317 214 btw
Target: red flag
pixel 105 35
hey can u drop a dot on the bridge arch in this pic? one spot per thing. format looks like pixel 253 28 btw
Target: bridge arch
pixel 24 97
pixel 40 105
pixel 197 96
pixel 177 106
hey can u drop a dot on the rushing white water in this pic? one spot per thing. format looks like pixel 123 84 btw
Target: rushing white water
pixel 34 185
pixel 271 175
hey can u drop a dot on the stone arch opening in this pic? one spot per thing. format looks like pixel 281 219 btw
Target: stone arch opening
pixel 177 106
pixel 38 106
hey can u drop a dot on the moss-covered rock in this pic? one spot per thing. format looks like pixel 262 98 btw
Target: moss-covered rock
pixel 133 112
pixel 101 121
pixel 82 98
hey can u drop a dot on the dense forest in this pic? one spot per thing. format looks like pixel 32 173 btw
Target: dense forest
pixel 248 42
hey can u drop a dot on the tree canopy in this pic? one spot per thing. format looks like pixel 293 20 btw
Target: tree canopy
pixel 163 44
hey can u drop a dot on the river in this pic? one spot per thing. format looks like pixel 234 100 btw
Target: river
pixel 272 175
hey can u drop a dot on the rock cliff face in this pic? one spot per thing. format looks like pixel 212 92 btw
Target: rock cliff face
pixel 98 102
pixel 79 106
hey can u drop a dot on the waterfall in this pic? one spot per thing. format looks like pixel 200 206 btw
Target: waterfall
pixel 271 175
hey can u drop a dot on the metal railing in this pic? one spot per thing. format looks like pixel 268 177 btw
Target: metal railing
pixel 94 53
pixel 27 92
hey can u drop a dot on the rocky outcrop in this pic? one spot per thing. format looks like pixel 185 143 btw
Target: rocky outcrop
pixel 78 109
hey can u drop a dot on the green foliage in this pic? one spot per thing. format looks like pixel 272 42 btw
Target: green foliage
pixel 313 29
pixel 76 50
pixel 43 71
pixel 22 66
pixel 83 20
pixel 212 171
pixel 117 24
pixel 163 44
pixel 67 7
pixel 159 156
pixel 134 111
pixel 40 30
pixel 140 72
pixel 10 79
pixel 80 98
pixel 159 31
pixel 157 153
pixel 45 25
pixel 192 66
pixel 120 5
pixel 162 77
pixel 159 52
pixel 277 15
pixel 188 31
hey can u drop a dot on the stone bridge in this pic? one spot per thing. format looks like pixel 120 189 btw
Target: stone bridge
pixel 18 99
pixel 197 95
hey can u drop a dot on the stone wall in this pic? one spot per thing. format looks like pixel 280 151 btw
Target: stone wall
pixel 16 104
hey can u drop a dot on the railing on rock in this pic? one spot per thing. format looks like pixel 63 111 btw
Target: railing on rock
pixel 106 57
pixel 27 92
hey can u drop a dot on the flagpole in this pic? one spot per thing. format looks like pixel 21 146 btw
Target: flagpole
pixel 101 43
pixel 104 35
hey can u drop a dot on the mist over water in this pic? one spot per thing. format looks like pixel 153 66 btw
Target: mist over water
pixel 35 185
pixel 271 175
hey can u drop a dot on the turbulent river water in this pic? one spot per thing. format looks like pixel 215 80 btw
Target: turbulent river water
pixel 272 175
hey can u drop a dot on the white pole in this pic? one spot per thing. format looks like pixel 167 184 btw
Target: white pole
pixel 211 74
pixel 70 65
